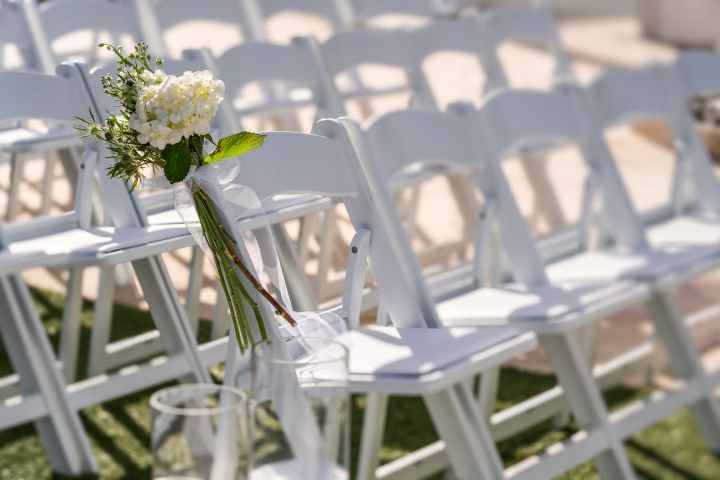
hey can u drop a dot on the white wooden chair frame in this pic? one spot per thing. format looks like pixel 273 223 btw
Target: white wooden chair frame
pixel 410 134
pixel 23 334
pixel 276 169
pixel 662 91
pixel 346 52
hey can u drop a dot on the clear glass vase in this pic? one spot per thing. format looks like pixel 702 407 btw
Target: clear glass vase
pixel 301 410
pixel 200 432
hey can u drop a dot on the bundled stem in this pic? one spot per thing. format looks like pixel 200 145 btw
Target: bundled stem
pixel 228 262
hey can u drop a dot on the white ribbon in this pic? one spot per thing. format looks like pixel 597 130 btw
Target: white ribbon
pixel 236 202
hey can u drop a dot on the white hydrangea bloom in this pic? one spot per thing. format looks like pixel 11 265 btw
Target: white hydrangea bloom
pixel 170 108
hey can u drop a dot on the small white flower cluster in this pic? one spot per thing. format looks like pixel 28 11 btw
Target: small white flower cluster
pixel 170 108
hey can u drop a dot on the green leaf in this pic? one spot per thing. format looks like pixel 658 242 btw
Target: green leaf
pixel 234 146
pixel 177 161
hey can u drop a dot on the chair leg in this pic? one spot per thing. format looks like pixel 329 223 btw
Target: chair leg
pixel 463 192
pixel 26 342
pixel 548 205
pixel 470 446
pixel 221 316
pixel 372 435
pixel 192 304
pixel 100 335
pixel 309 227
pixel 487 396
pixel 327 237
pixel 48 183
pixel 17 166
pixel 570 365
pixel 293 269
pixel 685 361
pixel 588 338
pixel 71 325
pixel 69 160
pixel 169 316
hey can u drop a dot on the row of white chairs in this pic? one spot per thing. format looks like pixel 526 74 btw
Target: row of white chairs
pixel 39 34
pixel 117 19
pixel 71 350
pixel 305 64
pixel 641 266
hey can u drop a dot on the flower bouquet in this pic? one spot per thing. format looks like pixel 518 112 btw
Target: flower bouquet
pixel 162 126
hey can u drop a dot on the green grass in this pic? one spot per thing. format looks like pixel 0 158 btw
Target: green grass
pixel 119 430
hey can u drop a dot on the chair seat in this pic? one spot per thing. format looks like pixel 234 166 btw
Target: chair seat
pixel 421 360
pixel 668 258
pixel 275 211
pixel 20 140
pixel 79 246
pixel 549 308
pixel 686 231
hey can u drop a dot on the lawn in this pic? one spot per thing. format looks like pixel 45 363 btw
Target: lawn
pixel 119 430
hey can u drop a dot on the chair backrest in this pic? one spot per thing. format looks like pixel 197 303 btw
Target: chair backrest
pixel 364 10
pixel 531 24
pixel 423 139
pixel 620 97
pixel 512 120
pixel 60 99
pixel 258 12
pixel 346 51
pixel 29 95
pixel 83 24
pixel 484 35
pixel 297 65
pixel 127 209
pixel 308 163
pixel 17 47
pixel 158 17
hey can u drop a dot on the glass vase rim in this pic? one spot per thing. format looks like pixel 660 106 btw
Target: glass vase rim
pixel 299 363
pixel 239 398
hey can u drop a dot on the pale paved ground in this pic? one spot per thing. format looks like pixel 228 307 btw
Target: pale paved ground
pixel 593 44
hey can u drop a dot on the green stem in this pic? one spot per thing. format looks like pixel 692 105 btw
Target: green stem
pixel 228 263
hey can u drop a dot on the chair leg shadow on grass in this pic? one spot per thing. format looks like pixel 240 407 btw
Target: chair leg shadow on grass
pixel 120 429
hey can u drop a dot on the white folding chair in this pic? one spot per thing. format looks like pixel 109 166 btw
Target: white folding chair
pixel 24 96
pixel 406 365
pixel 696 193
pixel 563 115
pixel 71 242
pixel 402 138
pixel 482 36
pixel 683 244
pixel 396 49
pixel 620 97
